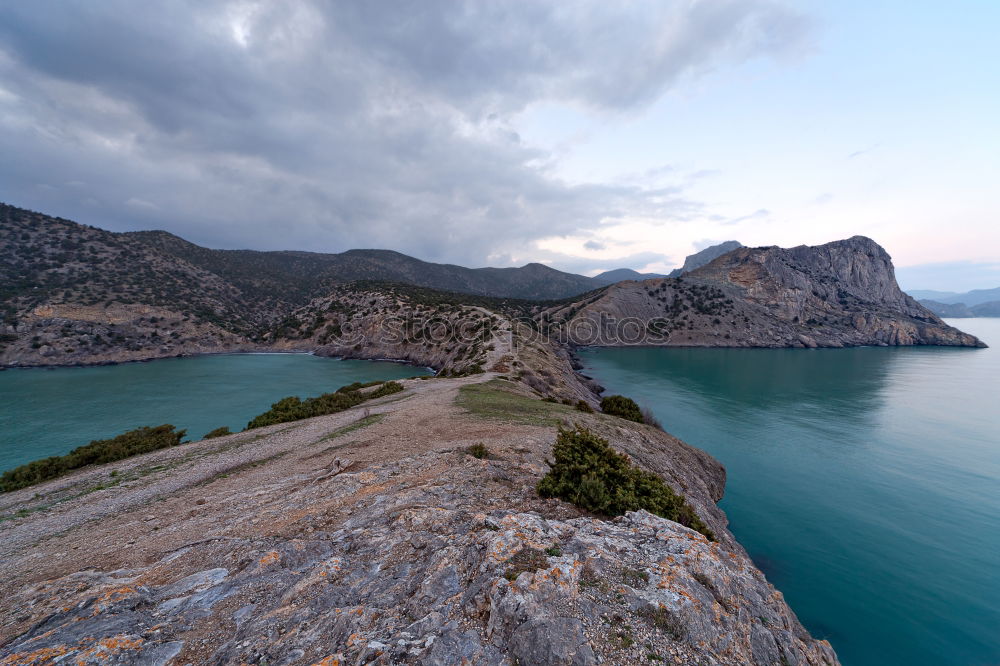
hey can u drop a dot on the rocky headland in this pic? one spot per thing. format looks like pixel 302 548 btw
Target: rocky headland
pixel 834 295
pixel 374 536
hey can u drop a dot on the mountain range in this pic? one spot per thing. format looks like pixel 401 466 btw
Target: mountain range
pixel 44 255
pixel 76 294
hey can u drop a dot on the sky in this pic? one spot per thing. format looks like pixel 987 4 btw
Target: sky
pixel 585 135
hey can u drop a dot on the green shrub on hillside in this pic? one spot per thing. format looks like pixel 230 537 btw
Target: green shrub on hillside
pixel 293 408
pixel 218 432
pixel 589 473
pixel 131 443
pixel 619 405
pixel 478 451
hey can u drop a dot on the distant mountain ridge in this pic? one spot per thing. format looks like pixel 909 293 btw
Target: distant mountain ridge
pixel 33 244
pixel 74 294
pixel 970 298
pixel 699 259
pixel 691 262
pixel 975 303
pixel 315 272
pixel 622 274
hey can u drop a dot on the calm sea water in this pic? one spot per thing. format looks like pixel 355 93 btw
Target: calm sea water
pixel 865 482
pixel 46 412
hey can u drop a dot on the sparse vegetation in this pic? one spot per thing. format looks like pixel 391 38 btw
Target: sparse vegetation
pixel 526 559
pixel 622 407
pixel 650 419
pixel 218 432
pixel 584 406
pixel 496 400
pixel 131 443
pixel 294 408
pixel 664 620
pixel 588 472
pixel 478 451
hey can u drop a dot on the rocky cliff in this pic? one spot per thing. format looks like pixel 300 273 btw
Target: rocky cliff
pixel 373 537
pixel 702 257
pixel 839 294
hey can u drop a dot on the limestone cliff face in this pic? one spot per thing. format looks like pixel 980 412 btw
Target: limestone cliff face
pixel 834 295
pixel 699 259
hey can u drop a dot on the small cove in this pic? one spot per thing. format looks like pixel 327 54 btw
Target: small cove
pixel 45 412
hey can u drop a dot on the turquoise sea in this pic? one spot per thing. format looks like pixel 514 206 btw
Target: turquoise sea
pixel 865 482
pixel 46 412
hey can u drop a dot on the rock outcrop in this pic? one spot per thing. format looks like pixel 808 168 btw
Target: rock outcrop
pixel 371 536
pixel 839 294
pixel 702 257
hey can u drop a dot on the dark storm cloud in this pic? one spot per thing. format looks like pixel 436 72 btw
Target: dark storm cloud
pixel 326 126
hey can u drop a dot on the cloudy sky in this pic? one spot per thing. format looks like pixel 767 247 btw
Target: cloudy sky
pixel 586 135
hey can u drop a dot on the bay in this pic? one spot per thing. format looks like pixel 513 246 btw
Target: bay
pixel 45 412
pixel 865 482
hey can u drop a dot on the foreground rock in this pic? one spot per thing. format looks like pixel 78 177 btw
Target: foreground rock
pixel 375 538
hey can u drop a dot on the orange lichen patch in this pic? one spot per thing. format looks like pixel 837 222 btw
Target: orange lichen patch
pixel 269 558
pixel 328 661
pixel 41 636
pixel 40 656
pixel 354 638
pixel 102 649
pixel 116 643
pixel 111 596
pixel 107 647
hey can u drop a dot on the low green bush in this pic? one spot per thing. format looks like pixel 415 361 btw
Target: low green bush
pixel 293 408
pixel 131 443
pixel 218 432
pixel 584 406
pixel 478 451
pixel 588 472
pixel 620 406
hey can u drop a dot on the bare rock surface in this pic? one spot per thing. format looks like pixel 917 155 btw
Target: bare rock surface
pixel 372 536
pixel 835 295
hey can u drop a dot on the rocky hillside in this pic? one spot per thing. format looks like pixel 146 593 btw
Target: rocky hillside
pixel 76 295
pixel 839 294
pixel 46 257
pixel 46 261
pixel 373 536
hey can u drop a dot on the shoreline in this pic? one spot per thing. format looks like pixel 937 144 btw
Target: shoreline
pixel 98 364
